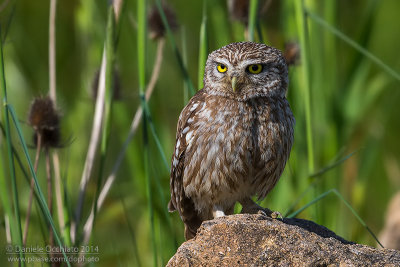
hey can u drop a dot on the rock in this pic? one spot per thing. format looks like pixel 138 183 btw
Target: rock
pixel 257 240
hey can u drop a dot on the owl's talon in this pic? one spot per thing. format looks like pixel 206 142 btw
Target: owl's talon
pixel 270 213
pixel 262 212
pixel 276 215
pixel 249 206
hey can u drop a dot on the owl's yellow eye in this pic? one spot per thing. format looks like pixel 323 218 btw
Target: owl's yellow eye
pixel 222 68
pixel 255 68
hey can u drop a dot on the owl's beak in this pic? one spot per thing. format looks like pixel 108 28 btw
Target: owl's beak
pixel 234 83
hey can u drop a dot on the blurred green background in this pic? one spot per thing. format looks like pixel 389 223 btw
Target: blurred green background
pixel 352 107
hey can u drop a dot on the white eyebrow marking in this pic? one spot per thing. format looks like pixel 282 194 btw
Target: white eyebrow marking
pixel 247 62
pixel 223 61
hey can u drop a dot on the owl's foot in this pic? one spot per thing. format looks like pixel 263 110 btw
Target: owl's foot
pixel 250 207
pixel 275 214
pixel 268 213
pixel 264 211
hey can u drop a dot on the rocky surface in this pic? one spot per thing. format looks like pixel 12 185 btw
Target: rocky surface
pixel 257 240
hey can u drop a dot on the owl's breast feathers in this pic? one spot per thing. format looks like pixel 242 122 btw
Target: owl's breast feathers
pixel 226 150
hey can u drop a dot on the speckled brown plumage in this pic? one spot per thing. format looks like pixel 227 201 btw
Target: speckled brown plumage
pixel 233 138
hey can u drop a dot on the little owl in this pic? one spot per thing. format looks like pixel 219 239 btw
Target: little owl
pixel 234 136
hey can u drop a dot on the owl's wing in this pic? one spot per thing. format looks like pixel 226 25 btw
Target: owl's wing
pixel 179 201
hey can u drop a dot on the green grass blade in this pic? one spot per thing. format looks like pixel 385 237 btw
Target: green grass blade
pixel 259 32
pixel 203 47
pixel 155 136
pixel 4 196
pixel 184 59
pixel 16 156
pixel 253 11
pixel 178 56
pixel 289 212
pixel 131 233
pixel 161 195
pixel 297 212
pixel 158 143
pixel 15 221
pixel 305 69
pixel 146 159
pixel 8 23
pixel 315 175
pixel 42 200
pixel 21 168
pixel 356 215
pixel 110 55
pixel 334 191
pixel 141 44
pixel 333 165
pixel 42 224
pixel 366 23
pixel 353 44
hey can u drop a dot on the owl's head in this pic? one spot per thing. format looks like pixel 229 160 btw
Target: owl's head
pixel 246 70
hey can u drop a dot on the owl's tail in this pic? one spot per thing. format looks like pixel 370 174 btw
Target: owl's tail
pixel 188 214
pixel 189 232
pixel 190 218
pixel 171 206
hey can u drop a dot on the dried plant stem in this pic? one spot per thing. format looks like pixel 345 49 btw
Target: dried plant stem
pixel 156 70
pixel 49 196
pixel 253 10
pixel 52 51
pixel 8 229
pixel 53 96
pixel 59 193
pixel 28 213
pixel 94 140
pixel 134 125
pixel 117 4
pixel 135 122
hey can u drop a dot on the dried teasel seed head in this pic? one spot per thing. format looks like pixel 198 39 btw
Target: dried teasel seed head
pixel 292 53
pixel 45 120
pixel 50 138
pixel 116 84
pixel 239 10
pixel 43 115
pixel 156 25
